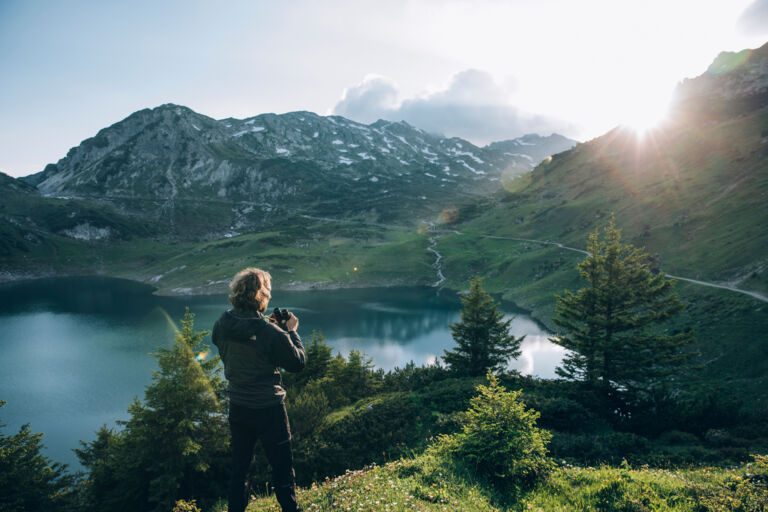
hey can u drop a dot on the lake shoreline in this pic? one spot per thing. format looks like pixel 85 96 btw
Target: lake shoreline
pixel 219 288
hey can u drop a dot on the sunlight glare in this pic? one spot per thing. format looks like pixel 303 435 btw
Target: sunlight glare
pixel 646 111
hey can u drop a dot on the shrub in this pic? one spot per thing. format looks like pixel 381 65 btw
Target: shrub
pixel 609 447
pixel 448 396
pixel 499 439
pixel 186 506
pixel 622 493
pixel 677 437
pixel 563 414
pixel 372 430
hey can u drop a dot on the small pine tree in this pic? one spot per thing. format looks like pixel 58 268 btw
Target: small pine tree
pixel 482 337
pixel 175 444
pixel 28 479
pixel 612 326
pixel 499 438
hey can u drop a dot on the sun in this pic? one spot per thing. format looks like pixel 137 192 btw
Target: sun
pixel 645 111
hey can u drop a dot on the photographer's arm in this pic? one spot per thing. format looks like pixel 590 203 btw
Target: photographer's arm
pixel 288 350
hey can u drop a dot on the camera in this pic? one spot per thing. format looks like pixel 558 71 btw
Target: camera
pixel 281 315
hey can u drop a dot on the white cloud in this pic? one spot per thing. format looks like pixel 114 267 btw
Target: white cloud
pixel 366 101
pixel 473 106
pixel 754 19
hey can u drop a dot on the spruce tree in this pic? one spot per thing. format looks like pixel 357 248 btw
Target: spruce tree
pixel 29 480
pixel 499 439
pixel 319 356
pixel 482 337
pixel 613 326
pixel 175 444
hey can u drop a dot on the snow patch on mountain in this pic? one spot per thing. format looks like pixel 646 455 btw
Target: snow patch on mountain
pixel 87 231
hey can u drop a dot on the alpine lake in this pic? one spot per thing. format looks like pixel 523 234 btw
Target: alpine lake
pixel 77 350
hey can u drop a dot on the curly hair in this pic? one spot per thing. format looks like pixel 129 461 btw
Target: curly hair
pixel 251 289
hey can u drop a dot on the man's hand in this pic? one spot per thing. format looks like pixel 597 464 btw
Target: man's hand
pixel 292 323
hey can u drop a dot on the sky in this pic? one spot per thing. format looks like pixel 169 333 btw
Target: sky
pixel 483 70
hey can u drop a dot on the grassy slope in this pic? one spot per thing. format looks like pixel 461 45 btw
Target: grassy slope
pixel 694 197
pixel 300 252
pixel 314 253
pixel 428 483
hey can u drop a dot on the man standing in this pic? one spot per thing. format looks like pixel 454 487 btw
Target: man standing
pixel 252 348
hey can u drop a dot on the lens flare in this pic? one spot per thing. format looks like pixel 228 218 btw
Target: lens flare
pixel 449 215
pixel 728 61
pixel 202 355
pixel 168 318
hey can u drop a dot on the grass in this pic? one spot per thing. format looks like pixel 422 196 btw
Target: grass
pixel 430 483
pixel 354 256
pixel 416 484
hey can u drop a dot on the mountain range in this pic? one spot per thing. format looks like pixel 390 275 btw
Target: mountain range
pixel 255 171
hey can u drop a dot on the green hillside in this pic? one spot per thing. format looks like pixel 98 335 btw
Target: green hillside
pixel 694 196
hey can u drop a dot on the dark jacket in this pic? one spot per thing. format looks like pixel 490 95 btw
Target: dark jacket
pixel 252 349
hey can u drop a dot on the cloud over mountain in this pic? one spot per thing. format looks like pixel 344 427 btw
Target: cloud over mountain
pixel 754 19
pixel 473 106
pixel 366 101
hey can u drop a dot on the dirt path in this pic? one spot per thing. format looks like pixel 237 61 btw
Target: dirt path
pixel 754 295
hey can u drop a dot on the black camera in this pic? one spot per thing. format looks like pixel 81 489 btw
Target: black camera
pixel 281 315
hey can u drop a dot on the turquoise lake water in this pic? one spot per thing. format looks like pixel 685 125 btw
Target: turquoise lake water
pixel 75 351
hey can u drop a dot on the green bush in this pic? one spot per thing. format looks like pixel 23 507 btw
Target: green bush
pixel 499 439
pixel 448 396
pixel 371 430
pixel 603 447
pixel 186 506
pixel 414 378
pixel 677 437
pixel 564 414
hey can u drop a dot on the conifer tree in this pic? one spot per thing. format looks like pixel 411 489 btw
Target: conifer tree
pixel 28 479
pixel 499 438
pixel 482 337
pixel 175 444
pixel 319 356
pixel 612 326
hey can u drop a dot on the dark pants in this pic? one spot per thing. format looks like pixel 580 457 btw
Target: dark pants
pixel 270 425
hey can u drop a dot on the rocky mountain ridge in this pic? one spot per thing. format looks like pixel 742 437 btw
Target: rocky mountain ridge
pixel 319 165
pixel 735 83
